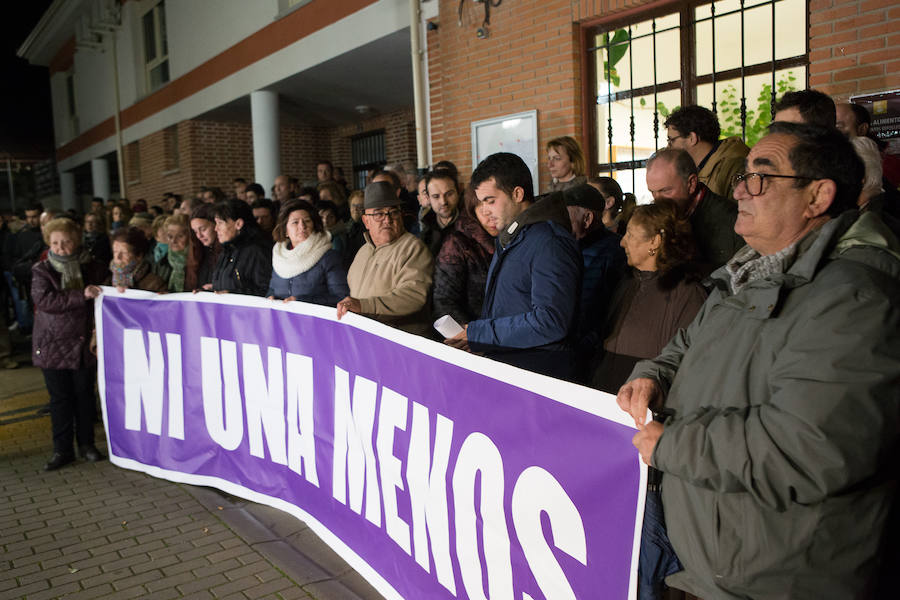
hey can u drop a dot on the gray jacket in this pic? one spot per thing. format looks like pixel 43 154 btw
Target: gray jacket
pixel 779 460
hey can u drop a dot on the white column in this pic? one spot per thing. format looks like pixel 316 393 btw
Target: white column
pixel 100 178
pixel 67 190
pixel 266 137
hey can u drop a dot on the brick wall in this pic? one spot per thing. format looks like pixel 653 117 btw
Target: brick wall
pixel 399 140
pixel 854 46
pixel 148 177
pixel 213 153
pixel 529 61
pixel 301 147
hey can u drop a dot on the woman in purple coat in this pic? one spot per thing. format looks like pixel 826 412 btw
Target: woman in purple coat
pixel 63 287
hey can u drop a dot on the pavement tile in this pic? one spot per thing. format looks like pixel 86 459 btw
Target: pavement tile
pixel 138 579
pixel 128 535
pixel 171 581
pixel 132 592
pixel 123 563
pixel 100 592
pixel 358 585
pixel 141 549
pixel 295 593
pixel 327 558
pixel 43 575
pixel 234 586
pixel 35 558
pixel 164 594
pixel 96 559
pixel 128 532
pixel 330 590
pixel 269 587
pixel 174 547
pixel 155 565
pixel 295 565
pixel 31 588
pixel 245 570
pixel 57 591
pixel 205 583
pixel 185 566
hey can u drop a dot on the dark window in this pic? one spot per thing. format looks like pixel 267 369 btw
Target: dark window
pixel 156 47
pixel 367 153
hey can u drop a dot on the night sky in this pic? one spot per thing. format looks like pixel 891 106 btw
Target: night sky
pixel 27 121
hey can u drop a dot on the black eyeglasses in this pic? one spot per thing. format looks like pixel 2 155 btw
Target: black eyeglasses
pixel 381 215
pixel 671 140
pixel 754 181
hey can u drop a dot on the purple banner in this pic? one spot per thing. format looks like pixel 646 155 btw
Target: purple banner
pixel 435 473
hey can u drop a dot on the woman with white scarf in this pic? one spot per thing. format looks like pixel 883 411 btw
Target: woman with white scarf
pixel 304 265
pixel 63 287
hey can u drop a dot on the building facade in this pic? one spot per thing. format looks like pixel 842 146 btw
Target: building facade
pixel 159 96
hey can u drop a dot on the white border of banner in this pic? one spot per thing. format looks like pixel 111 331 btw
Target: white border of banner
pixel 570 394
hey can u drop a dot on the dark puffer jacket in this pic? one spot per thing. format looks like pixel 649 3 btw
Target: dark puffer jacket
pixel 63 319
pixel 245 265
pixel 460 271
pixel 532 290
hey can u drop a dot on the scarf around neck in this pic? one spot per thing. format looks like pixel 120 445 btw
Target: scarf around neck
pixel 177 260
pixel 123 276
pixel 159 250
pixel 288 263
pixel 70 269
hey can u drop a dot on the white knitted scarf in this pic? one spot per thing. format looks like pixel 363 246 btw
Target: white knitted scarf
pixel 303 257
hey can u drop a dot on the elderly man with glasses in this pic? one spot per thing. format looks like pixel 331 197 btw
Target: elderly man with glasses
pixel 781 403
pixel 391 275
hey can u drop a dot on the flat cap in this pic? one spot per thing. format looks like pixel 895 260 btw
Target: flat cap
pixel 586 196
pixel 380 195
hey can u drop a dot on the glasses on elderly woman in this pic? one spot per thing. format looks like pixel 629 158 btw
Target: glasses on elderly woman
pixel 381 215
pixel 754 181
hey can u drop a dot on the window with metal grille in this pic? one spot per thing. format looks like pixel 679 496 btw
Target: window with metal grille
pixel 156 47
pixel 367 151
pixel 734 57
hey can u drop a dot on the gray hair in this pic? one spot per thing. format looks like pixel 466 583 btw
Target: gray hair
pixel 868 153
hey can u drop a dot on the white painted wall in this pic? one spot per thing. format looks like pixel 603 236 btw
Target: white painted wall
pixel 62 131
pixel 93 87
pixel 369 24
pixel 198 30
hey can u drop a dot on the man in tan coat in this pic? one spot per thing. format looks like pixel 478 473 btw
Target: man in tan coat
pixel 695 129
pixel 391 275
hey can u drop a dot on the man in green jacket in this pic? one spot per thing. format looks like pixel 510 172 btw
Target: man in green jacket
pixel 779 453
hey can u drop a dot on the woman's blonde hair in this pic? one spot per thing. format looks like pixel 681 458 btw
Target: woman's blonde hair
pixel 64 224
pixel 177 220
pixel 573 150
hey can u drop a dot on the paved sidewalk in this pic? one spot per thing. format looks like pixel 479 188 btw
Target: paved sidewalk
pixel 98 531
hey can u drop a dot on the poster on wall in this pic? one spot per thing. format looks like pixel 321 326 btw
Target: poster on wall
pixel 884 108
pixel 511 133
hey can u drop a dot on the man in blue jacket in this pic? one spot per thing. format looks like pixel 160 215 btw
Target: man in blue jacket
pixel 532 290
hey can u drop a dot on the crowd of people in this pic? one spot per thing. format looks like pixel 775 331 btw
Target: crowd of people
pixel 718 306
